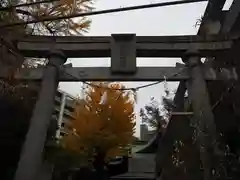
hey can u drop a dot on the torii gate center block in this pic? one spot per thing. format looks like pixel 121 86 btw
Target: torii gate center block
pixel 123 53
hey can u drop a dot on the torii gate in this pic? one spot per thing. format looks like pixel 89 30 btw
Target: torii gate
pixel 123 50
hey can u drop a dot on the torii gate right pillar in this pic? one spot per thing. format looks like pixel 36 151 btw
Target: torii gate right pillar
pixel 203 116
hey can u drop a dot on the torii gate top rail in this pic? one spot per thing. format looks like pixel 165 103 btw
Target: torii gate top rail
pixel 146 46
pixel 123 50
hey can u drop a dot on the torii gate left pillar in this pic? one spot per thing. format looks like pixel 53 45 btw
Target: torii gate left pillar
pixel 31 155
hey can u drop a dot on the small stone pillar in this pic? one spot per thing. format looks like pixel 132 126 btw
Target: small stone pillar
pixel 31 155
pixel 203 116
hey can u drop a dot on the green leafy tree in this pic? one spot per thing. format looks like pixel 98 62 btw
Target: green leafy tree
pixel 155 114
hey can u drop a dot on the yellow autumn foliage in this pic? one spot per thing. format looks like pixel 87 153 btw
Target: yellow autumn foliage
pixel 39 11
pixel 108 125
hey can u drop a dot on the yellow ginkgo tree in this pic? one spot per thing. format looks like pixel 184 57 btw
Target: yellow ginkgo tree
pixel 57 8
pixel 31 10
pixel 104 122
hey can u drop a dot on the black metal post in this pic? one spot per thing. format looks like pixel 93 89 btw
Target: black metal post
pixel 203 116
pixel 31 155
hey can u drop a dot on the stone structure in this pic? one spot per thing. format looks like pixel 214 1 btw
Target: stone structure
pixel 116 47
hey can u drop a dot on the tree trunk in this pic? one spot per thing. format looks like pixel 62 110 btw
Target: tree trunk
pixel 99 165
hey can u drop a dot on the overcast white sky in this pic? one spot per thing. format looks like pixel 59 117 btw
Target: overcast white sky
pixel 174 20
